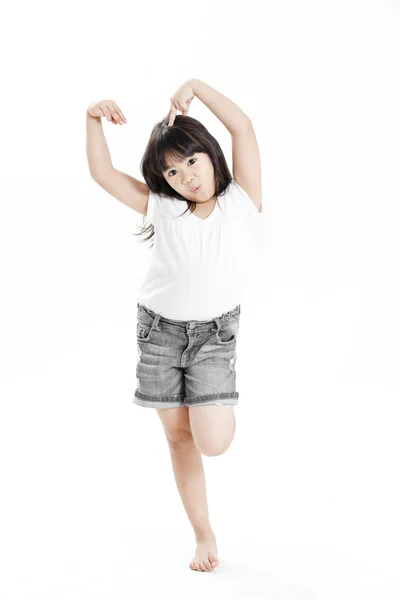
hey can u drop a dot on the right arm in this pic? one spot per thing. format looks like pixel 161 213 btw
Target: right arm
pixel 123 187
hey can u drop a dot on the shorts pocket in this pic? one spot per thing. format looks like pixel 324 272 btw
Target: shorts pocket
pixel 143 331
pixel 228 332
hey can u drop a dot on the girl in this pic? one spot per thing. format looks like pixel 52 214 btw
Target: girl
pixel 188 309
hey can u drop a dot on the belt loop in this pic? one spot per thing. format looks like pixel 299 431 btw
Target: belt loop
pixel 155 322
pixel 218 322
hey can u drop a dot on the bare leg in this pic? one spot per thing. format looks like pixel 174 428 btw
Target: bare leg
pixel 189 475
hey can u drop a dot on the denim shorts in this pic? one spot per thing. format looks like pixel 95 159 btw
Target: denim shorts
pixel 186 363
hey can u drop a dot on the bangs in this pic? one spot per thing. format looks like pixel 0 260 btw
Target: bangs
pixel 175 147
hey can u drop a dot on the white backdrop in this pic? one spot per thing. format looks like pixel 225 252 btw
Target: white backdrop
pixel 305 502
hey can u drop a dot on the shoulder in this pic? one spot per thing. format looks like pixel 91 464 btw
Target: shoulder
pixel 161 204
pixel 238 202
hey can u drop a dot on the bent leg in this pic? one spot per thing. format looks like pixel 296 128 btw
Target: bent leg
pixel 213 427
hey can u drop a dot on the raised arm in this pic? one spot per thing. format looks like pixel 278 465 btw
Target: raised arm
pixel 123 187
pixel 246 162
pixel 98 155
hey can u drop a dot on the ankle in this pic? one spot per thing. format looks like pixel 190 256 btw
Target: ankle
pixel 204 533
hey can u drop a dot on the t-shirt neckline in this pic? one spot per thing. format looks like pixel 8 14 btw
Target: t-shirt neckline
pixel 208 218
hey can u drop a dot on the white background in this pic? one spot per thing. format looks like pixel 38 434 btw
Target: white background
pixel 305 502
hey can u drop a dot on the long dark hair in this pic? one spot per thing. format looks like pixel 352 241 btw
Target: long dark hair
pixel 185 137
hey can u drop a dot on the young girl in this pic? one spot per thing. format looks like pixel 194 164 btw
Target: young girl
pixel 188 306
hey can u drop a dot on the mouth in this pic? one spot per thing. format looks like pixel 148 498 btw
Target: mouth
pixel 195 189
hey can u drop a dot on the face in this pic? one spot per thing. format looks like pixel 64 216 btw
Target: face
pixel 191 172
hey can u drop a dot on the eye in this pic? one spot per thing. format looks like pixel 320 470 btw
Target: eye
pixel 195 159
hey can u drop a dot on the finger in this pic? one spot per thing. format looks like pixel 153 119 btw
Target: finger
pixel 119 112
pixel 172 115
pixel 116 118
pixel 107 113
pixel 179 107
pixel 104 113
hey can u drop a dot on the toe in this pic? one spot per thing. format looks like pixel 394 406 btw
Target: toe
pixel 214 561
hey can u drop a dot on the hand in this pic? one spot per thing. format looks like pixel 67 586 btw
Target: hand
pixel 108 109
pixel 181 101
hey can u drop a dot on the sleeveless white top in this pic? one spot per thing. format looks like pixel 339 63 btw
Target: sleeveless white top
pixel 200 268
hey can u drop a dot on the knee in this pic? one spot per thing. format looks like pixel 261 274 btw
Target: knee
pixel 179 436
pixel 214 448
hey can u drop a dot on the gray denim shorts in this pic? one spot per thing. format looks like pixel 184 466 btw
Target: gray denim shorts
pixel 186 363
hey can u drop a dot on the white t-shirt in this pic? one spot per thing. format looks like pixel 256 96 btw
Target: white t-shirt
pixel 200 268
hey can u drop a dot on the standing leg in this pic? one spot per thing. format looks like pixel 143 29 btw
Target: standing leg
pixel 190 480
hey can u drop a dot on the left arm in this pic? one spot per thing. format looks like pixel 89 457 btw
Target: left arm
pixel 245 153
pixel 224 109
pixel 247 164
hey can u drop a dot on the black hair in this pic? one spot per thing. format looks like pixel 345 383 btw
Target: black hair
pixel 184 138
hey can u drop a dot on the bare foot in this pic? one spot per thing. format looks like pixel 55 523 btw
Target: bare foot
pixel 205 555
